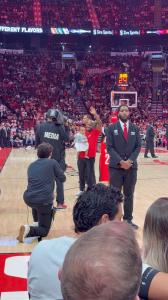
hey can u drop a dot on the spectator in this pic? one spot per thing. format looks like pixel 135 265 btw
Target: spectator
pixel 99 205
pixel 155 235
pixel 104 263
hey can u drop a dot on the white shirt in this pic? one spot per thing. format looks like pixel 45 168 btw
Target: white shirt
pixel 45 261
pixel 122 124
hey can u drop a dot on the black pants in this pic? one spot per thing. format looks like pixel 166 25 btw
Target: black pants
pixel 150 147
pixel 125 179
pixel 60 185
pixel 8 142
pixel 60 192
pixel 90 172
pixel 42 215
pixel 82 168
pixel 2 142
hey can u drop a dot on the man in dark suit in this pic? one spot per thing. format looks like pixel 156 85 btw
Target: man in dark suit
pixel 166 134
pixel 8 135
pixel 150 135
pixel 3 135
pixel 123 146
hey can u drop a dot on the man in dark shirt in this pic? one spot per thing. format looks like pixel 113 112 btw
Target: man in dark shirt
pixel 39 194
pixel 56 132
pixel 166 135
pixel 3 135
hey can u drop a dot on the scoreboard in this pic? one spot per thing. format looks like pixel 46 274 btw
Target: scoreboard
pixel 122 80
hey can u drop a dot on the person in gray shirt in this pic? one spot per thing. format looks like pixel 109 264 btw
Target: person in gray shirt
pixel 39 194
pixel 99 205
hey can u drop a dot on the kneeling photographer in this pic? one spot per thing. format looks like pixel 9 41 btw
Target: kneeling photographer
pixel 39 194
pixel 56 132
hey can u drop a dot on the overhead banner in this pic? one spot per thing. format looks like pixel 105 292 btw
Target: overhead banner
pixel 71 31
pixel 11 51
pixel 21 29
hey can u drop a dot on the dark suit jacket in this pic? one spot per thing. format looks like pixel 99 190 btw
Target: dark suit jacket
pixel 150 133
pixel 166 134
pixel 120 149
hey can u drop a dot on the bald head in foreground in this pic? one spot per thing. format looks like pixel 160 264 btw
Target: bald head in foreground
pixel 103 264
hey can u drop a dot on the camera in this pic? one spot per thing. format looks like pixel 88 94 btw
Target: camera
pixel 57 116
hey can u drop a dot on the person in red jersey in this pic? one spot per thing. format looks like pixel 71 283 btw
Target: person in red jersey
pixel 113 118
pixel 104 162
pixel 93 130
pixel 104 156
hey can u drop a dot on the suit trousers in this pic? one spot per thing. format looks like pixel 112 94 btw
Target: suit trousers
pixel 2 141
pixel 42 215
pixel 125 179
pixel 150 147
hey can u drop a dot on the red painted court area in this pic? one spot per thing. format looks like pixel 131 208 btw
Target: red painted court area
pixel 13 279
pixel 13 276
pixel 4 153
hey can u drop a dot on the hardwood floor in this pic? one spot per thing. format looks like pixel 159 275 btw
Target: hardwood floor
pixel 152 183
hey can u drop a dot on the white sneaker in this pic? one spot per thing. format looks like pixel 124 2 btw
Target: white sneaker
pixel 35 224
pixel 79 193
pixel 23 232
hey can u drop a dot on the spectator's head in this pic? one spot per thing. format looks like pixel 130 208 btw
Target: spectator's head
pixel 98 205
pixel 123 113
pixel 155 235
pixel 44 150
pixel 103 264
pixel 82 130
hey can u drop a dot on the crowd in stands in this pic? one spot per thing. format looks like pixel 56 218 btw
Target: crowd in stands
pixel 122 14
pixel 72 14
pixel 16 13
pixel 125 14
pixel 31 83
pixel 164 14
pixel 164 90
pixel 98 86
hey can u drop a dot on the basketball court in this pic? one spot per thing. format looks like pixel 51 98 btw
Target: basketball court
pixel 152 183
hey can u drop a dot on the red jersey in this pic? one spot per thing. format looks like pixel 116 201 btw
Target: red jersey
pixel 92 137
pixel 82 154
pixel 104 163
pixel 114 119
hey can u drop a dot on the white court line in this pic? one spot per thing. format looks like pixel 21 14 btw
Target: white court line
pixel 23 158
pixel 14 296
